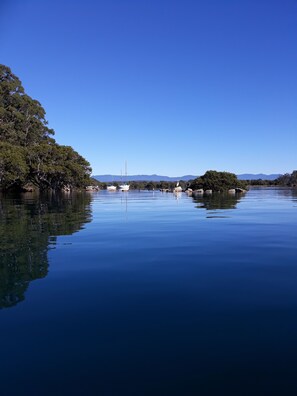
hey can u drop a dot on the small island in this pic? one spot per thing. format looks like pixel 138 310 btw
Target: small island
pixel 213 181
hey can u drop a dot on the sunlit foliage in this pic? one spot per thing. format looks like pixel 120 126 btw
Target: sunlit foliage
pixel 28 152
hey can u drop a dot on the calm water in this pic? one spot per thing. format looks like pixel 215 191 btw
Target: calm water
pixel 144 293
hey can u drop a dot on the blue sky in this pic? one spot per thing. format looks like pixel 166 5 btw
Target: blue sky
pixel 172 86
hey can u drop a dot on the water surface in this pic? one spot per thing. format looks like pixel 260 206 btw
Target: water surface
pixel 148 293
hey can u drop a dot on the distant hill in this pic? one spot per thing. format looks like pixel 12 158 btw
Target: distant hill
pixel 248 176
pixel 118 178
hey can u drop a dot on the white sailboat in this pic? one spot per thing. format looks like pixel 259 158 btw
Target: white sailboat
pixel 125 186
pixel 111 188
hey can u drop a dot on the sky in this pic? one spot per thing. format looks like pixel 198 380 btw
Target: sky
pixel 173 87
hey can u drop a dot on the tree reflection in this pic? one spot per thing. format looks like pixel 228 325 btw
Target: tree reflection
pixel 218 201
pixel 27 225
pixel 290 193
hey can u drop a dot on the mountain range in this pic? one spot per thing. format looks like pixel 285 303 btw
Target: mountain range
pixel 118 178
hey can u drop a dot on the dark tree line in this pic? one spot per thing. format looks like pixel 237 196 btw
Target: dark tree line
pixel 145 185
pixel 28 151
pixel 287 180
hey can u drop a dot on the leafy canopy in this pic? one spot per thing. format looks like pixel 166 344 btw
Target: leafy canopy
pixel 28 153
pixel 287 180
pixel 217 181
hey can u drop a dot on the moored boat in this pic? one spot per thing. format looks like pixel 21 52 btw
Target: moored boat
pixel 125 186
pixel 111 188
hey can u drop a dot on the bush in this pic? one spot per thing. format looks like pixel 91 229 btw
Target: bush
pixel 217 181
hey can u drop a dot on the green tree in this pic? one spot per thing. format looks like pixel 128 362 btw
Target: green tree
pixel 54 166
pixel 13 166
pixel 28 153
pixel 287 180
pixel 22 119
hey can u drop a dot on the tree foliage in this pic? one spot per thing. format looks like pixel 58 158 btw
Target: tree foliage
pixel 287 180
pixel 28 153
pixel 217 181
pixel 22 119
pixel 13 165
pixel 57 166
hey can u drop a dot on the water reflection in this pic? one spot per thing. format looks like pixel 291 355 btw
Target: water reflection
pixel 218 201
pixel 27 225
pixel 290 193
pixel 281 193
